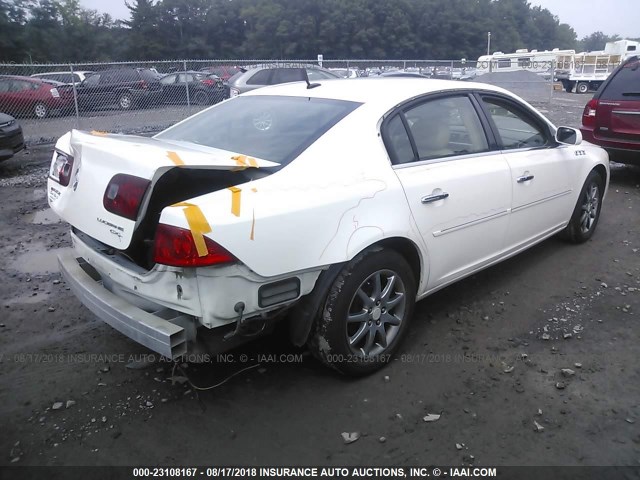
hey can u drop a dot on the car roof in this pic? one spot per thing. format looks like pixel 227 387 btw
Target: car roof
pixel 22 77
pixel 383 91
pixel 62 71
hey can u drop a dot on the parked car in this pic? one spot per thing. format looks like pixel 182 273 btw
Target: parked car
pixel 69 78
pixel 11 138
pixel 272 75
pixel 124 88
pixel 611 119
pixel 225 72
pixel 345 72
pixel 401 73
pixel 28 96
pixel 333 207
pixel 203 88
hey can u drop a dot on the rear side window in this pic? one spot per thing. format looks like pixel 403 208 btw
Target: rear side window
pixel 626 83
pixel 120 76
pixel 261 77
pixel 285 75
pixel 269 127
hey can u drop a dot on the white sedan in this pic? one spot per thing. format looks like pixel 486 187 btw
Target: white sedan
pixel 333 206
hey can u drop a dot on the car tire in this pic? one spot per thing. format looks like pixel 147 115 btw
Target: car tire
pixel 200 98
pixel 587 210
pixel 366 313
pixel 40 110
pixel 583 87
pixel 125 102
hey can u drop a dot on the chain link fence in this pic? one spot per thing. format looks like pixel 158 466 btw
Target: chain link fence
pixel 146 97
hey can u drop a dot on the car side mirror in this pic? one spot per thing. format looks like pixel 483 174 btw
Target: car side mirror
pixel 568 136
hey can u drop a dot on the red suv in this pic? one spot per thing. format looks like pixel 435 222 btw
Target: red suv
pixel 32 96
pixel 611 119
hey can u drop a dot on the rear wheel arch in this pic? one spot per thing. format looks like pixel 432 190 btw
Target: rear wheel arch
pixel 303 315
pixel 409 250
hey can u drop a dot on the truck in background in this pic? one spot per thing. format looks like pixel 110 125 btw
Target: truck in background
pixel 539 62
pixel 585 71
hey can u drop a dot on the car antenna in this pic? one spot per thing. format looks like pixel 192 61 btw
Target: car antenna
pixel 306 79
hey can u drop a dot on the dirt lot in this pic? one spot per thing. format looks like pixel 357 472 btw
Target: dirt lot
pixel 487 354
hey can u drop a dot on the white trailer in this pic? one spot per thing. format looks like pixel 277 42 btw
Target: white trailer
pixel 540 62
pixel 581 72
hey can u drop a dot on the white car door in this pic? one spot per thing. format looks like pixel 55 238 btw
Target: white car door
pixel 541 172
pixel 457 185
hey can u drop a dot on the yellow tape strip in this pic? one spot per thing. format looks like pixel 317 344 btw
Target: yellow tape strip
pixel 253 226
pixel 198 225
pixel 245 162
pixel 175 158
pixel 99 133
pixel 236 195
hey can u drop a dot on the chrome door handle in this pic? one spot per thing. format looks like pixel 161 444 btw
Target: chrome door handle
pixel 435 198
pixel 525 178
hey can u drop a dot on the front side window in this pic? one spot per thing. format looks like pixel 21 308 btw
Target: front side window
pixel 516 129
pixel 274 128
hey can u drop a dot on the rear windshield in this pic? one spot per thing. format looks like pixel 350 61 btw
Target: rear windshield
pixel 626 83
pixel 268 127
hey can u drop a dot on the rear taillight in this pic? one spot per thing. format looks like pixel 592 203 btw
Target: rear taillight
pixel 124 194
pixel 176 247
pixel 142 84
pixel 208 82
pixel 61 168
pixel 589 114
pixel 55 93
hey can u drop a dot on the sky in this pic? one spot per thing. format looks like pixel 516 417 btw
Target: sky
pixel 611 17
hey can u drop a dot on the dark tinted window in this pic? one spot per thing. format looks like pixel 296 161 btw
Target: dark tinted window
pixel 261 77
pixel 119 76
pixel 285 75
pixel 4 86
pixel 625 85
pixel 268 127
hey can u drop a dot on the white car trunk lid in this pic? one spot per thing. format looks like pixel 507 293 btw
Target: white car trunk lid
pixel 98 157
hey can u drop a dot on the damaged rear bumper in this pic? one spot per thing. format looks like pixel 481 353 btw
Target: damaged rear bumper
pixel 157 330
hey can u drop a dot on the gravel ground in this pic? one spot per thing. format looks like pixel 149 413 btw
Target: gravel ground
pixel 531 362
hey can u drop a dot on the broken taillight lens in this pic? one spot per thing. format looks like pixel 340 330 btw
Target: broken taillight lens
pixel 176 247
pixel 124 195
pixel 61 168
pixel 589 114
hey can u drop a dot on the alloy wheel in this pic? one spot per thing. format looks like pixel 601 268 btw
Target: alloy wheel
pixel 376 313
